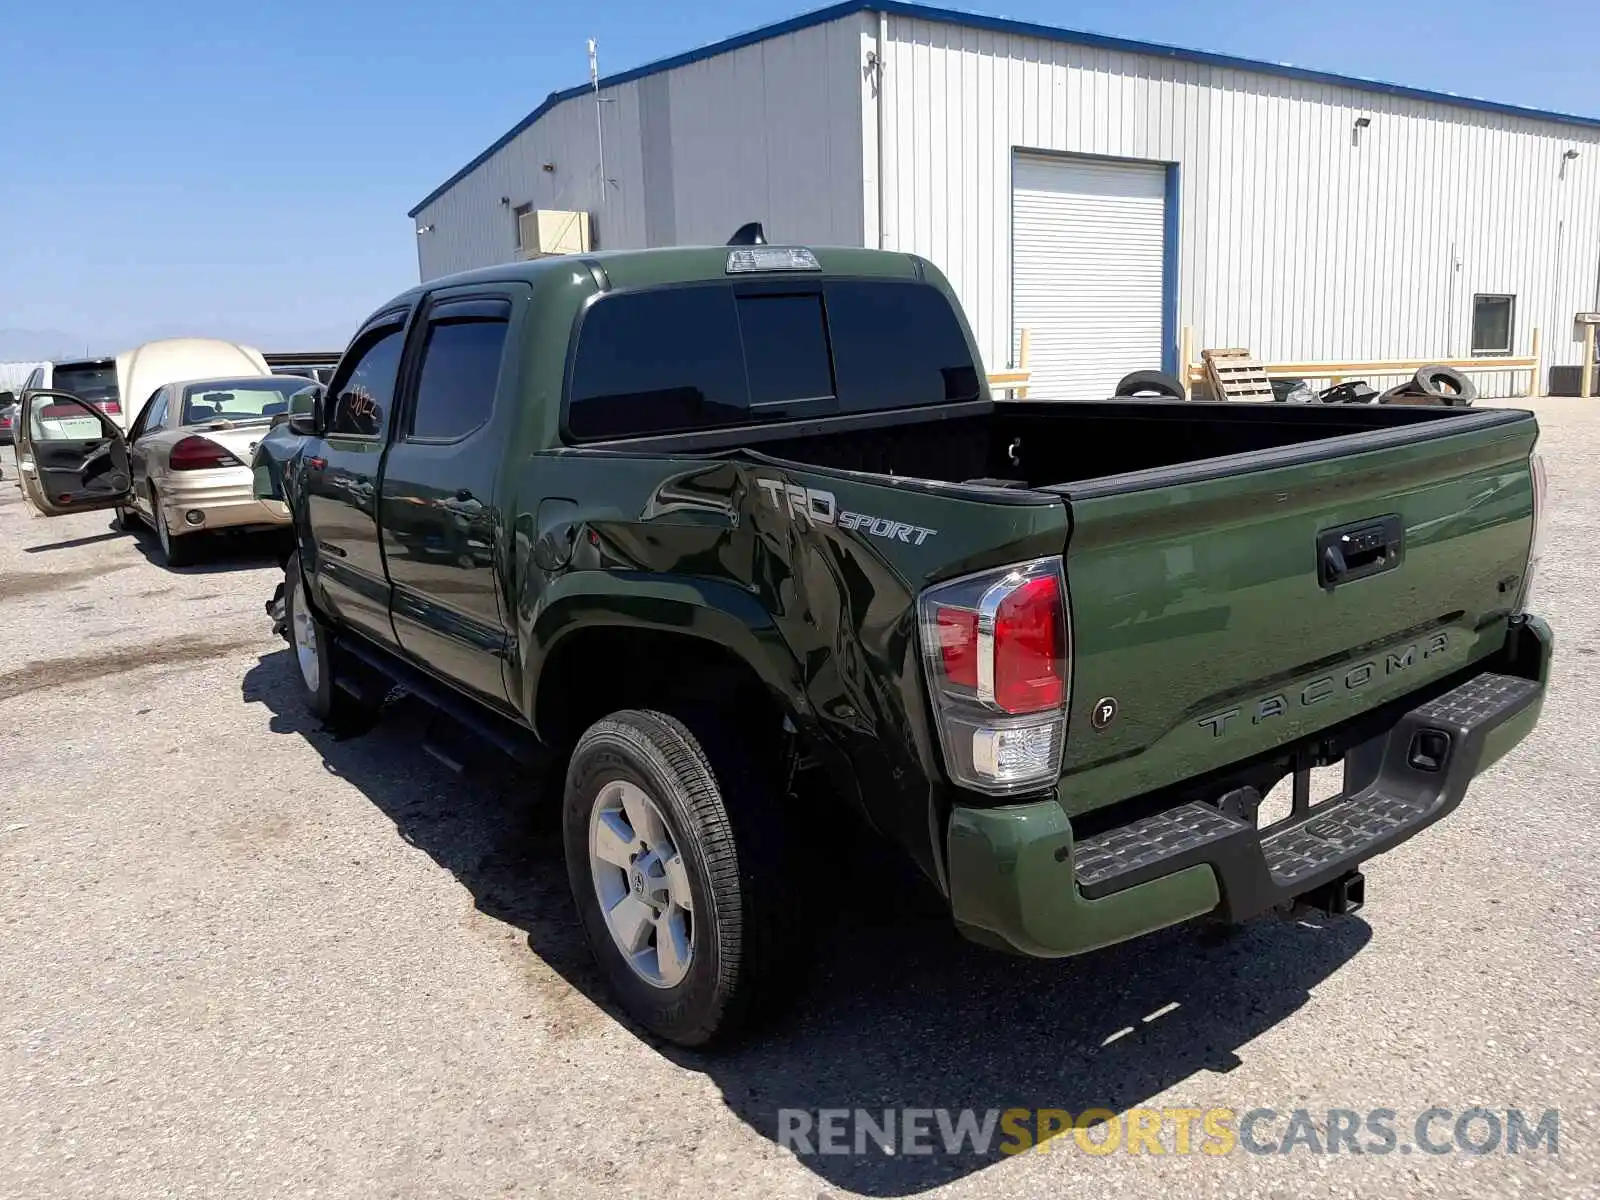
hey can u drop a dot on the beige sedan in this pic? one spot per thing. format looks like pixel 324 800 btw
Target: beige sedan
pixel 189 455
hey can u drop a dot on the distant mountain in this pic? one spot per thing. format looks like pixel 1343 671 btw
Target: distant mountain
pixel 32 345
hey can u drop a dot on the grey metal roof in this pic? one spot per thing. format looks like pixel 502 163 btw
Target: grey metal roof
pixel 1051 33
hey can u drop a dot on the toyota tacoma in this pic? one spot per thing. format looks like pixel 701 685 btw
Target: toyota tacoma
pixel 695 522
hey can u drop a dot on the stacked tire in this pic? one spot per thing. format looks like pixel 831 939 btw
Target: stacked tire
pixel 1433 385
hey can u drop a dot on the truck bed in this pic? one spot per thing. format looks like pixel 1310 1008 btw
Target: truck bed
pixel 1203 607
pixel 1043 444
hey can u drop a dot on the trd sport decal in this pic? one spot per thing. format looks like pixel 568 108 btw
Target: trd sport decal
pixel 820 508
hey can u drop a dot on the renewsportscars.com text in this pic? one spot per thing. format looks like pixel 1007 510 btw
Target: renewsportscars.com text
pixel 1211 1131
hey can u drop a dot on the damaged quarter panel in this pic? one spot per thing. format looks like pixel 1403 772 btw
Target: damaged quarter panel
pixel 810 576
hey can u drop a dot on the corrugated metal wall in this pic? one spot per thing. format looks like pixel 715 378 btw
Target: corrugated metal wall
pixel 770 132
pixel 1294 239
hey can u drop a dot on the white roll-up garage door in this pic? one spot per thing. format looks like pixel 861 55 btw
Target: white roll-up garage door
pixel 1087 253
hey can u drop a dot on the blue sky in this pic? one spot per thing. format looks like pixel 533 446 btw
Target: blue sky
pixel 176 167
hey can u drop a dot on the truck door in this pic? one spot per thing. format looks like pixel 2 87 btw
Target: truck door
pixel 340 476
pixel 441 508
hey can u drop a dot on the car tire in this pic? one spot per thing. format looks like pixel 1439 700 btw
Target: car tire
pixel 1450 386
pixel 713 833
pixel 175 551
pixel 1149 383
pixel 127 519
pixel 317 660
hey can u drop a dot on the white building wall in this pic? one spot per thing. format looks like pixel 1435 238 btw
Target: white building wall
pixel 770 132
pixel 468 227
pixel 1292 240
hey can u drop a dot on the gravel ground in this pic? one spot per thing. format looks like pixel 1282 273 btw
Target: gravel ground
pixel 239 957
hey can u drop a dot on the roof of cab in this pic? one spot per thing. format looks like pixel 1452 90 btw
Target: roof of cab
pixel 676 264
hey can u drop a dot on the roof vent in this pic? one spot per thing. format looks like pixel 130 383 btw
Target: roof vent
pixel 749 235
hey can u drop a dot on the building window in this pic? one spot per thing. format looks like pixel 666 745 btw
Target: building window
pixel 1492 318
pixel 517 214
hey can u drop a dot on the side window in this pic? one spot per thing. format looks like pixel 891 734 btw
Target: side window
pixel 35 380
pixel 658 362
pixel 363 393
pixel 460 368
pixel 149 416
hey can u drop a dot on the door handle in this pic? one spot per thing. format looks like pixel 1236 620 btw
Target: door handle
pixel 1350 552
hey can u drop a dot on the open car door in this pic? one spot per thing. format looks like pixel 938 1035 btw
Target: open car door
pixel 71 456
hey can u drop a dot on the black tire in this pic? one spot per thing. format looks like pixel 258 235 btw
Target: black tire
pixel 1448 384
pixel 722 810
pixel 176 551
pixel 1149 383
pixel 1407 393
pixel 324 698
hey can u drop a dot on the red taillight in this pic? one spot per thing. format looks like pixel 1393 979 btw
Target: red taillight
pixel 958 645
pixel 110 407
pixel 998 655
pixel 1028 659
pixel 196 453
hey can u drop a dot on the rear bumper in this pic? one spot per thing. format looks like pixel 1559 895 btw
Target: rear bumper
pixel 1020 880
pixel 225 499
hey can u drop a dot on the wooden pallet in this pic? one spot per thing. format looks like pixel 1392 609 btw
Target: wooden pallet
pixel 1234 375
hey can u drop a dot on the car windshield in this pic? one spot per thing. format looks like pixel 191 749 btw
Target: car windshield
pixel 94 382
pixel 238 400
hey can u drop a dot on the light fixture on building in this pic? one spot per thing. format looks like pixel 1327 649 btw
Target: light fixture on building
pixel 422 229
pixel 505 201
pixel 549 168
pixel 1355 132
pixel 1565 159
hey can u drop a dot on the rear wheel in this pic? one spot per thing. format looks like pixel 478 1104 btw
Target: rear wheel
pixel 675 862
pixel 175 551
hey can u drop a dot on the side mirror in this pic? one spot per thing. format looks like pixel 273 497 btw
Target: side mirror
pixel 305 411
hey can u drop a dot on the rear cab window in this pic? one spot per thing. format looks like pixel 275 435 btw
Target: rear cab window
pixel 692 357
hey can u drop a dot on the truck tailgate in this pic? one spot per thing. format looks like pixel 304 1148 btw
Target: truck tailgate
pixel 1211 624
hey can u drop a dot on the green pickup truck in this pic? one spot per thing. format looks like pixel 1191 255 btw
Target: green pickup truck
pixel 696 521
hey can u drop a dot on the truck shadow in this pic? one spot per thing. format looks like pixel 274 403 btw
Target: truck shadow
pixel 899 1011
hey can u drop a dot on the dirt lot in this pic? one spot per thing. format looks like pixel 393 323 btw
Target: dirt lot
pixel 239 957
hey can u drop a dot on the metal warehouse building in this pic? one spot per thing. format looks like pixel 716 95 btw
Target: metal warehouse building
pixel 1100 193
